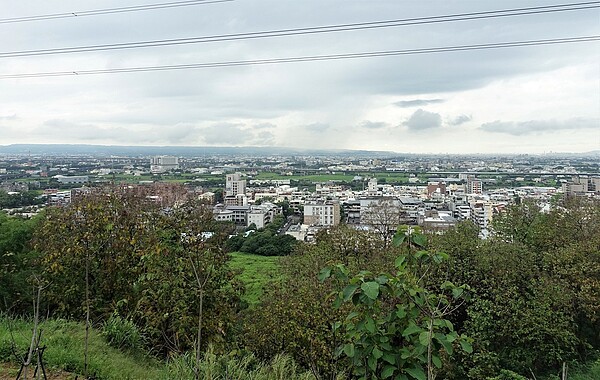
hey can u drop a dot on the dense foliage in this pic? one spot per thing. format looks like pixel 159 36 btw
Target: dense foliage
pixel 266 241
pixel 21 199
pixel 159 277
pixel 537 282
pixel 144 263
pixel 16 262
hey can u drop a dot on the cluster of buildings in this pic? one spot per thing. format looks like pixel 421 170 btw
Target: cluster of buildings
pixel 436 193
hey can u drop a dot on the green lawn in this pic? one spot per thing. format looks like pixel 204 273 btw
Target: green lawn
pixel 257 272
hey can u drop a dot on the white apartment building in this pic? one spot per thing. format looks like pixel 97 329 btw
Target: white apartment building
pixel 163 164
pixel 322 213
pixel 481 213
pixel 234 184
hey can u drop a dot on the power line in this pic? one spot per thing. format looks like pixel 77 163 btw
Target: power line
pixel 312 30
pixel 328 57
pixel 105 11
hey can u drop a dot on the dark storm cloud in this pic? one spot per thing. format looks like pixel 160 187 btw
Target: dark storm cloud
pixel 422 119
pixel 520 128
pixel 417 102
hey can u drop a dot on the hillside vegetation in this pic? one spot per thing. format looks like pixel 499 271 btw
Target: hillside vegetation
pixel 164 293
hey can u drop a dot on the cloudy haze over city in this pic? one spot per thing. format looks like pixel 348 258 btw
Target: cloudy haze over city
pixel 528 99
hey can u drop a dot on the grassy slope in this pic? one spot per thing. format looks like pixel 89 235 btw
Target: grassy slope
pixel 65 342
pixel 589 373
pixel 257 272
pixel 65 346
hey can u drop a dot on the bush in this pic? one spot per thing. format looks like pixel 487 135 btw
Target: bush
pixel 122 333
pixel 507 375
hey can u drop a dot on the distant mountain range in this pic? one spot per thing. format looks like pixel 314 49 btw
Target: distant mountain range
pixel 181 151
pixel 199 151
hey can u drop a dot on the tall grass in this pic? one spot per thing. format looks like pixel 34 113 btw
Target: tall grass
pixel 228 367
pixel 65 341
pixel 591 372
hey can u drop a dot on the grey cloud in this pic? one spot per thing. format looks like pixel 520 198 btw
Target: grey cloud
pixel 172 134
pixel 226 133
pixel 264 126
pixel 461 119
pixel 520 128
pixel 317 127
pixel 264 138
pixel 9 117
pixel 417 102
pixel 373 124
pixel 421 119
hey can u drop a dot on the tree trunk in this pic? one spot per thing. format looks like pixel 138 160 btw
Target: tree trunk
pixel 87 314
pixel 34 342
pixel 430 374
pixel 199 339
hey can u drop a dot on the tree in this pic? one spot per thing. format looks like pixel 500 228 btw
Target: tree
pixel 188 293
pixel 91 250
pixel 17 262
pixel 397 326
pixel 384 217
pixel 106 231
pixel 296 315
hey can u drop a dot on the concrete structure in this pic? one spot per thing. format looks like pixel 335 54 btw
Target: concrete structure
pixel 235 190
pixel 322 213
pixel 163 164
pixel 481 213
pixel 437 188
pixel 234 184
pixel 436 221
pixel 474 186
pixel 72 179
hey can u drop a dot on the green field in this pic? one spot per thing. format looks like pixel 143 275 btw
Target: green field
pixel 257 272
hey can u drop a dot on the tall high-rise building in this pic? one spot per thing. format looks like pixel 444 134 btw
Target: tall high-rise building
pixel 474 185
pixel 234 185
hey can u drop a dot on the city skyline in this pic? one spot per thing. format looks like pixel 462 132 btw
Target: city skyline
pixel 531 99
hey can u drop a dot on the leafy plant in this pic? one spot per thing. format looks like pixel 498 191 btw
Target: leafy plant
pixel 122 333
pixel 398 327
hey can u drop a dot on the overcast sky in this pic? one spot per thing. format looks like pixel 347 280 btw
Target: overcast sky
pixel 517 100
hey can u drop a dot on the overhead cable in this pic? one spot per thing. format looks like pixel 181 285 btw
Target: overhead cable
pixel 313 58
pixel 311 30
pixel 106 11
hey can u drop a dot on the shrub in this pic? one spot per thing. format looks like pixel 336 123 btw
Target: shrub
pixel 122 333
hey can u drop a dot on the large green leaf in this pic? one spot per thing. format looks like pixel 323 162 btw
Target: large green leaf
pixel 324 274
pixel 466 346
pixel 348 292
pixel 416 372
pixel 377 353
pixel 420 240
pixel 398 239
pixel 371 289
pixel 349 350
pixel 411 329
pixel 388 371
pixel 399 261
